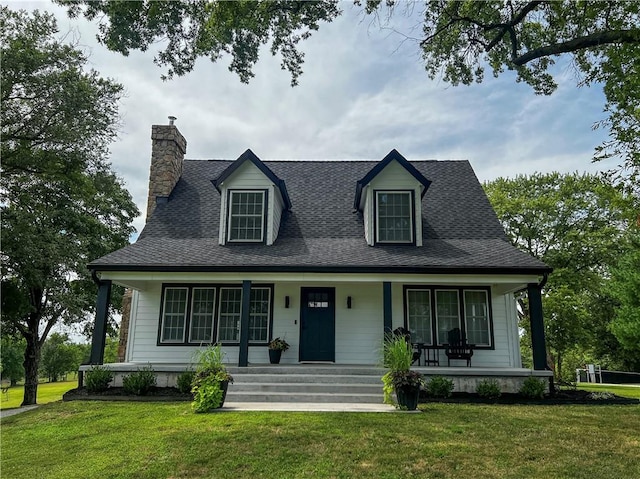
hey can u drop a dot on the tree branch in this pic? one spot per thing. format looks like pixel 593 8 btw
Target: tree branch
pixel 581 43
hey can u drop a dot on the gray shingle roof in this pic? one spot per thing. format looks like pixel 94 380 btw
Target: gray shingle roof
pixel 322 231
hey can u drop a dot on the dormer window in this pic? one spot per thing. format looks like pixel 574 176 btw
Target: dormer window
pixel 246 216
pixel 394 217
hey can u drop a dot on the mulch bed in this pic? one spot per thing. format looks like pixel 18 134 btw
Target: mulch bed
pixel 118 394
pixel 571 396
pixel 575 396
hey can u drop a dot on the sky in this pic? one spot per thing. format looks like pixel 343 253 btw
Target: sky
pixel 364 91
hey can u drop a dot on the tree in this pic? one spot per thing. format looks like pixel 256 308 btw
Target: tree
pixel 625 288
pixel 461 39
pixel 58 357
pixel 11 357
pixel 576 224
pixel 61 205
pixel 601 38
pixel 208 29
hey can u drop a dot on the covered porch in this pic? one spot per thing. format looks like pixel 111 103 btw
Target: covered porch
pixel 359 309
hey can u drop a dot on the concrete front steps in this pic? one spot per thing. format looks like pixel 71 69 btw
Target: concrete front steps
pixel 306 384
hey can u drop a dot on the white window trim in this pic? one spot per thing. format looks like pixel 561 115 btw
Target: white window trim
pixel 229 215
pixel 213 314
pixel 409 193
pixel 184 318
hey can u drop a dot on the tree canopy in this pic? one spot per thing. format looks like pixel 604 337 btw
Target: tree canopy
pixel 61 205
pixel 460 40
pixel 578 225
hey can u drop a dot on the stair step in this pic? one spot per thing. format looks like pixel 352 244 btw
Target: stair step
pixel 307 387
pixel 246 396
pixel 307 378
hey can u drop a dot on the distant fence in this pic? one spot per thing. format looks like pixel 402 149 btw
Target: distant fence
pixel 611 377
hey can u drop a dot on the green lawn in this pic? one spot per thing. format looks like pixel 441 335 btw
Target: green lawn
pixel 166 440
pixel 47 392
pixel 620 390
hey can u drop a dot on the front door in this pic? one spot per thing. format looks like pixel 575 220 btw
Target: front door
pixel 318 324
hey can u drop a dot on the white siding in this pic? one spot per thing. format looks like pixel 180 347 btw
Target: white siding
pixel 248 176
pixel 359 330
pixel 393 177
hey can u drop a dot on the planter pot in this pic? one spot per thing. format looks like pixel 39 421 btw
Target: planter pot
pixel 224 385
pixel 274 356
pixel 408 397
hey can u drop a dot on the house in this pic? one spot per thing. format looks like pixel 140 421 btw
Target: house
pixel 327 254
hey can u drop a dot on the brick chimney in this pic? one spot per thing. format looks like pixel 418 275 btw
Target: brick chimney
pixel 168 147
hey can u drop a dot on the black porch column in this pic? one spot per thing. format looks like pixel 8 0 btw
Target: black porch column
pixel 243 354
pixel 386 299
pixel 538 345
pixel 100 328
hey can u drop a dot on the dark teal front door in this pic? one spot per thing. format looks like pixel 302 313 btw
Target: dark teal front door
pixel 318 324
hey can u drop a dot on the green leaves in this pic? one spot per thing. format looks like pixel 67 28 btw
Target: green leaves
pixel 213 29
pixel 61 204
pixel 577 224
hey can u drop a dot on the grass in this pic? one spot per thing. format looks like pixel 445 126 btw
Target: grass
pixel 166 440
pixel 620 390
pixel 47 392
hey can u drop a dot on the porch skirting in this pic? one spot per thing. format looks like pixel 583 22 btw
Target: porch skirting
pixel 465 379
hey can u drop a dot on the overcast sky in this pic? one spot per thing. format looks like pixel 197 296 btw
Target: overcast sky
pixel 363 92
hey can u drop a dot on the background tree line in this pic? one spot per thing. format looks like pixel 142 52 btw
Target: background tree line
pixel 587 229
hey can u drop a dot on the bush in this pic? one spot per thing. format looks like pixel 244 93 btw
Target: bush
pixel 184 383
pixel 97 379
pixel 489 388
pixel 439 387
pixel 139 382
pixel 533 388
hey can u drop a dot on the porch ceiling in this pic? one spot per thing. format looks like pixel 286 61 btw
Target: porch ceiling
pixel 501 283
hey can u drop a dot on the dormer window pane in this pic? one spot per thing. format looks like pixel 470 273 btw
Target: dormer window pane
pixel 394 217
pixel 246 216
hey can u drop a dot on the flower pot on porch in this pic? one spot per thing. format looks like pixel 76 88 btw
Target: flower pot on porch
pixel 408 397
pixel 274 356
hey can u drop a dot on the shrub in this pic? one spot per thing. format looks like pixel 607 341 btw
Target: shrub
pixel 439 387
pixel 97 379
pixel 139 382
pixel 533 388
pixel 489 388
pixel 184 383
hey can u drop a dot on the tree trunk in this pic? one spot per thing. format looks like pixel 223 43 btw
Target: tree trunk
pixel 31 361
pixel 559 370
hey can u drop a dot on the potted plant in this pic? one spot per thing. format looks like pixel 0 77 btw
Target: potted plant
pixel 398 355
pixel 276 346
pixel 211 380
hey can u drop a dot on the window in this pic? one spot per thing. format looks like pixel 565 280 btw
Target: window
pixel 447 313
pixel 202 312
pixel 432 312
pixel 174 315
pixel 259 315
pixel 394 217
pixel 419 316
pixel 476 316
pixel 189 314
pixel 229 319
pixel 246 216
